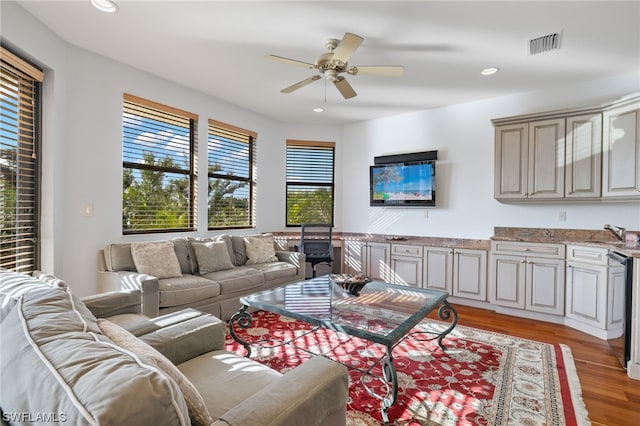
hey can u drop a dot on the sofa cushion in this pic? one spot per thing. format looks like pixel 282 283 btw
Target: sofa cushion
pixel 260 249
pixel 192 255
pixel 226 370
pixel 186 289
pixel 198 412
pixel 276 270
pixel 117 257
pixel 14 285
pixel 212 256
pixel 156 258
pixel 58 362
pixel 181 248
pixel 239 250
pixel 240 279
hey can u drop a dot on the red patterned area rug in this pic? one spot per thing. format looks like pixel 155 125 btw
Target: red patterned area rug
pixel 484 378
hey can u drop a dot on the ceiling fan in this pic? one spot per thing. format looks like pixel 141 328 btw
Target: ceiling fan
pixel 335 62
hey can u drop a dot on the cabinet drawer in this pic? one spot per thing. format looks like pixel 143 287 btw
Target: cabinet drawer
pixel 406 250
pixel 518 248
pixel 589 254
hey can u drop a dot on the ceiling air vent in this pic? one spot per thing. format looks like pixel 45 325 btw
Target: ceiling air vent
pixel 544 43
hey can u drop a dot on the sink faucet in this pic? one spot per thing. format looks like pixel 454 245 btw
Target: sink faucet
pixel 618 231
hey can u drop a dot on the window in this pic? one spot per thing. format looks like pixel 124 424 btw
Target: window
pixel 309 182
pixel 231 159
pixel 19 162
pixel 158 167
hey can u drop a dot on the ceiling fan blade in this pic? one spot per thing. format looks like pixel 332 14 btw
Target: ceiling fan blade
pixel 349 43
pixel 381 70
pixel 345 88
pixel 300 84
pixel 290 61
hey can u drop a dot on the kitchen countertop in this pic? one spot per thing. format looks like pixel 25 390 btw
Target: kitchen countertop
pixel 594 238
pixel 588 237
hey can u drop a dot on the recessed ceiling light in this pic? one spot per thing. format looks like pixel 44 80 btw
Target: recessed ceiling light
pixel 489 71
pixel 105 5
pixel 318 109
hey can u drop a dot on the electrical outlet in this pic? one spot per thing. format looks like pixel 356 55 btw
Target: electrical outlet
pixel 87 210
pixel 562 216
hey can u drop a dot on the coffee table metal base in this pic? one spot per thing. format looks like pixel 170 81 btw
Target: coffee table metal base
pixel 389 377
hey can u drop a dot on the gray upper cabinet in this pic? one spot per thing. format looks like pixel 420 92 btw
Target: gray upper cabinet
pixel 580 154
pixel 530 160
pixel 621 158
pixel 583 171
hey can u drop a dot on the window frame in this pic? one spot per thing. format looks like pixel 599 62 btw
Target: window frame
pixel 190 172
pixel 319 145
pixel 252 137
pixel 24 256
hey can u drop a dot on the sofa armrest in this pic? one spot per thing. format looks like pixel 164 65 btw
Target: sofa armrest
pixel 317 390
pixel 105 305
pixel 295 258
pixel 124 280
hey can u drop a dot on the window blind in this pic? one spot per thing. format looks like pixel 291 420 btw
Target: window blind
pixel 310 187
pixel 159 174
pixel 231 175
pixel 19 162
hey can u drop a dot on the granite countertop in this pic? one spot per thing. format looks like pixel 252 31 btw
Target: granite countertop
pixel 594 238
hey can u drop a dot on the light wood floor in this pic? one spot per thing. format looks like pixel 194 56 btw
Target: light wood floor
pixel 611 397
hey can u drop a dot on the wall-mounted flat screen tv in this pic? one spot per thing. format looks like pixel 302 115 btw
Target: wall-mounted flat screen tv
pixel 403 184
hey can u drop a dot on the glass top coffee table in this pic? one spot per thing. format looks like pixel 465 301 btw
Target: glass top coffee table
pixel 382 313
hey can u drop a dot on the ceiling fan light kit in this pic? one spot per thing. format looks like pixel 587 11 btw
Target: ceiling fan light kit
pixel 335 62
pixel 107 6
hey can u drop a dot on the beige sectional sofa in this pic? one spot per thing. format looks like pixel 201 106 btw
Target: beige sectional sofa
pixel 98 361
pixel 207 274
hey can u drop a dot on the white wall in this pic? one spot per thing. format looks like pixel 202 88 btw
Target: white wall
pixel 82 156
pixel 463 136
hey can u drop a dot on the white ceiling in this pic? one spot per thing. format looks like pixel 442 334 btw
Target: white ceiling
pixel 219 48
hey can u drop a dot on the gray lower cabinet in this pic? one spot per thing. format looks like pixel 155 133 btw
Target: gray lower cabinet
pixel 470 274
pixel 528 276
pixel 406 264
pixel 438 268
pixel 595 289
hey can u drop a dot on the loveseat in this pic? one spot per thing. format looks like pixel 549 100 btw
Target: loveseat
pixel 99 361
pixel 207 274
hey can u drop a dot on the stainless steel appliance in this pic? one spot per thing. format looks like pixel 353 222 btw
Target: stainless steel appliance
pixel 621 346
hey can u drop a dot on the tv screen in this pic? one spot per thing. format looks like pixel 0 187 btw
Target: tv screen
pixel 403 184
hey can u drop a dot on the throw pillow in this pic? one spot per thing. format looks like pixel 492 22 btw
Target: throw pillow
pixel 212 256
pixel 198 411
pixel 157 259
pixel 260 250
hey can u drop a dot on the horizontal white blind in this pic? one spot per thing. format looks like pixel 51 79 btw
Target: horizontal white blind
pixel 310 187
pixel 19 164
pixel 158 145
pixel 231 191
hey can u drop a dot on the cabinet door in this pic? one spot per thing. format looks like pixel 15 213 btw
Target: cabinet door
pixel 438 268
pixel 587 293
pixel 545 178
pixel 511 154
pixel 378 261
pixel 470 274
pixel 407 270
pixel 353 257
pixel 545 285
pixel 508 280
pixel 621 152
pixel 583 166
pixel 615 301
